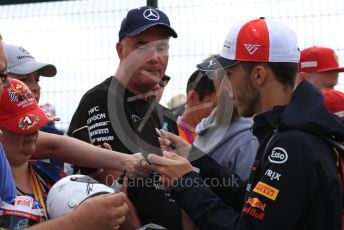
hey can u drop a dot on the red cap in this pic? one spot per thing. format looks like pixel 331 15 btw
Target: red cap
pixel 319 59
pixel 19 111
pixel 334 101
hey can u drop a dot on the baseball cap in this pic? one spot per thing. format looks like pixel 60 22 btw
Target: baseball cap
pixel 334 101
pixel 258 40
pixel 21 62
pixel 319 59
pixel 142 18
pixel 19 111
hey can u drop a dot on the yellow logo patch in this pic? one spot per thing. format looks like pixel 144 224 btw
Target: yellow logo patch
pixel 266 190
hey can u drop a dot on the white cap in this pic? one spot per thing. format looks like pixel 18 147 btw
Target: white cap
pixel 67 193
pixel 258 40
pixel 21 62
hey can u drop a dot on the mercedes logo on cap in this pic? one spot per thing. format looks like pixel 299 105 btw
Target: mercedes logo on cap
pixel 23 50
pixel 151 14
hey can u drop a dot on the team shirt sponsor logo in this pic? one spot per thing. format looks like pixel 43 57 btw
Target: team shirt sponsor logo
pixel 278 155
pixel 95 114
pixel 99 124
pixel 99 128
pixel 99 132
pixel 135 118
pixel 266 190
pixel 257 214
pixel 256 203
pixel 273 175
pixel 103 139
pixel 93 110
pixel 96 117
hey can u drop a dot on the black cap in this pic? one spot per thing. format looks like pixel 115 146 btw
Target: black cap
pixel 216 63
pixel 142 18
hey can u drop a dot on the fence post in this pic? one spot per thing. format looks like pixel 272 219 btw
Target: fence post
pixel 153 3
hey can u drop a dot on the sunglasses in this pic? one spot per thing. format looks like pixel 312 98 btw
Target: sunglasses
pixel 164 81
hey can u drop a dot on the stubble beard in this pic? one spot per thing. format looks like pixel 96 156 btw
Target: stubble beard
pixel 251 100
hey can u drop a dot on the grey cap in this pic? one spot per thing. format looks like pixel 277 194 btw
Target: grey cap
pixel 21 62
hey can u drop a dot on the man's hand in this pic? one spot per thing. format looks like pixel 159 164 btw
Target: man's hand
pixel 171 167
pixel 137 166
pixel 101 212
pixel 182 147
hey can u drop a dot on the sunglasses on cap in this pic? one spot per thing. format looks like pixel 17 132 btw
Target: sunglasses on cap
pixel 164 81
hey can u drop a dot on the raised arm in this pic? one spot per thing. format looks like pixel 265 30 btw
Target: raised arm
pixel 81 153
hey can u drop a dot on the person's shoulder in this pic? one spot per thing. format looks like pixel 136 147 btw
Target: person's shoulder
pixel 241 125
pixel 100 88
pixel 304 153
pixel 245 121
pixel 97 91
pixel 301 145
pixel 167 112
pixel 292 138
pixel 162 107
pixel 296 136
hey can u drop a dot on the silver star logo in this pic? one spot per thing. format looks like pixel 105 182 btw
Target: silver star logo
pixel 151 14
pixel 23 50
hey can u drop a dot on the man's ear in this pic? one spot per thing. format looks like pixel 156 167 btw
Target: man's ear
pixel 193 98
pixel 259 75
pixel 119 48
